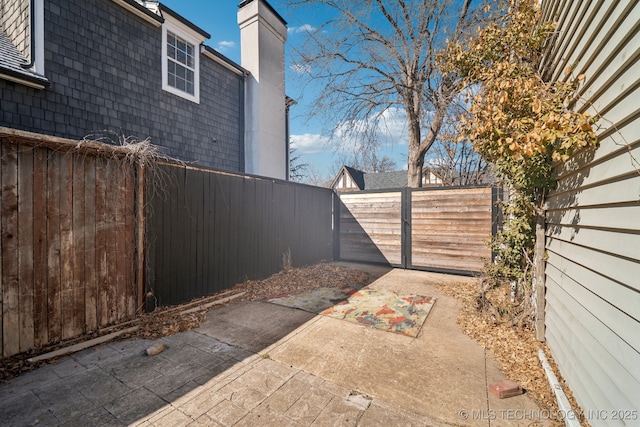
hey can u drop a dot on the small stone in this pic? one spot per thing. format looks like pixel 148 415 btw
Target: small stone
pixel 155 349
pixel 359 400
pixel 506 388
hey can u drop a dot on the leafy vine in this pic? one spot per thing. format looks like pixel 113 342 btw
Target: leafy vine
pixel 523 126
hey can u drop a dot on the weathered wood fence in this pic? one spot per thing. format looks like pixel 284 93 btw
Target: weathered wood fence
pixel 438 229
pixel 85 234
pixel 208 230
pixel 68 228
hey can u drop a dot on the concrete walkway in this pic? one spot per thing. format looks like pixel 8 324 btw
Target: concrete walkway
pixel 260 364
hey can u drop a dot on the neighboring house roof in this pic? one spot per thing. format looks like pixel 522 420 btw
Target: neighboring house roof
pixel 357 176
pixel 378 180
pixel 384 180
pixel 372 181
pixel 10 64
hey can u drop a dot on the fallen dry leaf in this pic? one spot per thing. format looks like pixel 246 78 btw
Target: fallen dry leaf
pixel 515 349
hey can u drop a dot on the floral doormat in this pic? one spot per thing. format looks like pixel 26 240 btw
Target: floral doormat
pixel 386 310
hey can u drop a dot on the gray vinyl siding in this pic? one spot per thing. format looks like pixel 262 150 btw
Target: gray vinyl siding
pixel 593 218
pixel 104 66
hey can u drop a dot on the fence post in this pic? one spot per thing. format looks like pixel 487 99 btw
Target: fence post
pixel 140 247
pixel 406 227
pixel 539 275
pixel 497 194
pixel 336 226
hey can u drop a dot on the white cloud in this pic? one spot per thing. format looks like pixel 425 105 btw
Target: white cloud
pixel 304 28
pixel 225 45
pixel 392 136
pixel 310 143
pixel 392 129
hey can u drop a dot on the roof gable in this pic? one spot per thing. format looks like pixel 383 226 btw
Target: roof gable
pixel 11 61
pixel 357 176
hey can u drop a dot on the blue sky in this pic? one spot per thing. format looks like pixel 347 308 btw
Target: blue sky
pixel 219 18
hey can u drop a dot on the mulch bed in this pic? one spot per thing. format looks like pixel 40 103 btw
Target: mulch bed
pixel 296 280
pixel 515 349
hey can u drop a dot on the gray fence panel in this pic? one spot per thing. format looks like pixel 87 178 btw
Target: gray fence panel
pixel 209 230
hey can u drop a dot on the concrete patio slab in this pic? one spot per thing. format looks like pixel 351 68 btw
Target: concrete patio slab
pixel 439 374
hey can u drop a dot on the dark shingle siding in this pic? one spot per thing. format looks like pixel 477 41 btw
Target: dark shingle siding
pixel 104 65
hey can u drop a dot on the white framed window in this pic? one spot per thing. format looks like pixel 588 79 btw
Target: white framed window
pixel 181 64
pixel 181 61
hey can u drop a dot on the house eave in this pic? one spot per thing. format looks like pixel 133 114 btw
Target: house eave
pixel 140 11
pixel 268 6
pixel 210 53
pixel 23 79
pixel 193 27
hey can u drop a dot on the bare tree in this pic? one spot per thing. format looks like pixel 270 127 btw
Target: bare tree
pixel 380 54
pixel 366 160
pixel 456 162
pixel 297 170
pixel 317 178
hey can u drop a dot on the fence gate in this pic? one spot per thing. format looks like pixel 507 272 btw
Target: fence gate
pixel 437 229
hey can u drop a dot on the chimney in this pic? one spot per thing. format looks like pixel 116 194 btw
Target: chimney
pixel 263 33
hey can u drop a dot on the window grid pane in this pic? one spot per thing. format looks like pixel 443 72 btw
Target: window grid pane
pixel 180 64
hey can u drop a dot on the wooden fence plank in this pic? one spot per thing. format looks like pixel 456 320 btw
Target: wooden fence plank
pixel 140 212
pixel 48 234
pixel 67 303
pixel 78 248
pixel 40 252
pixel 129 250
pixel 235 229
pixel 90 241
pixel 26 246
pixel 222 229
pixel 118 258
pixel 192 200
pixel 102 243
pixel 54 316
pixel 111 289
pixel 10 282
pixel 175 258
pixel 2 163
